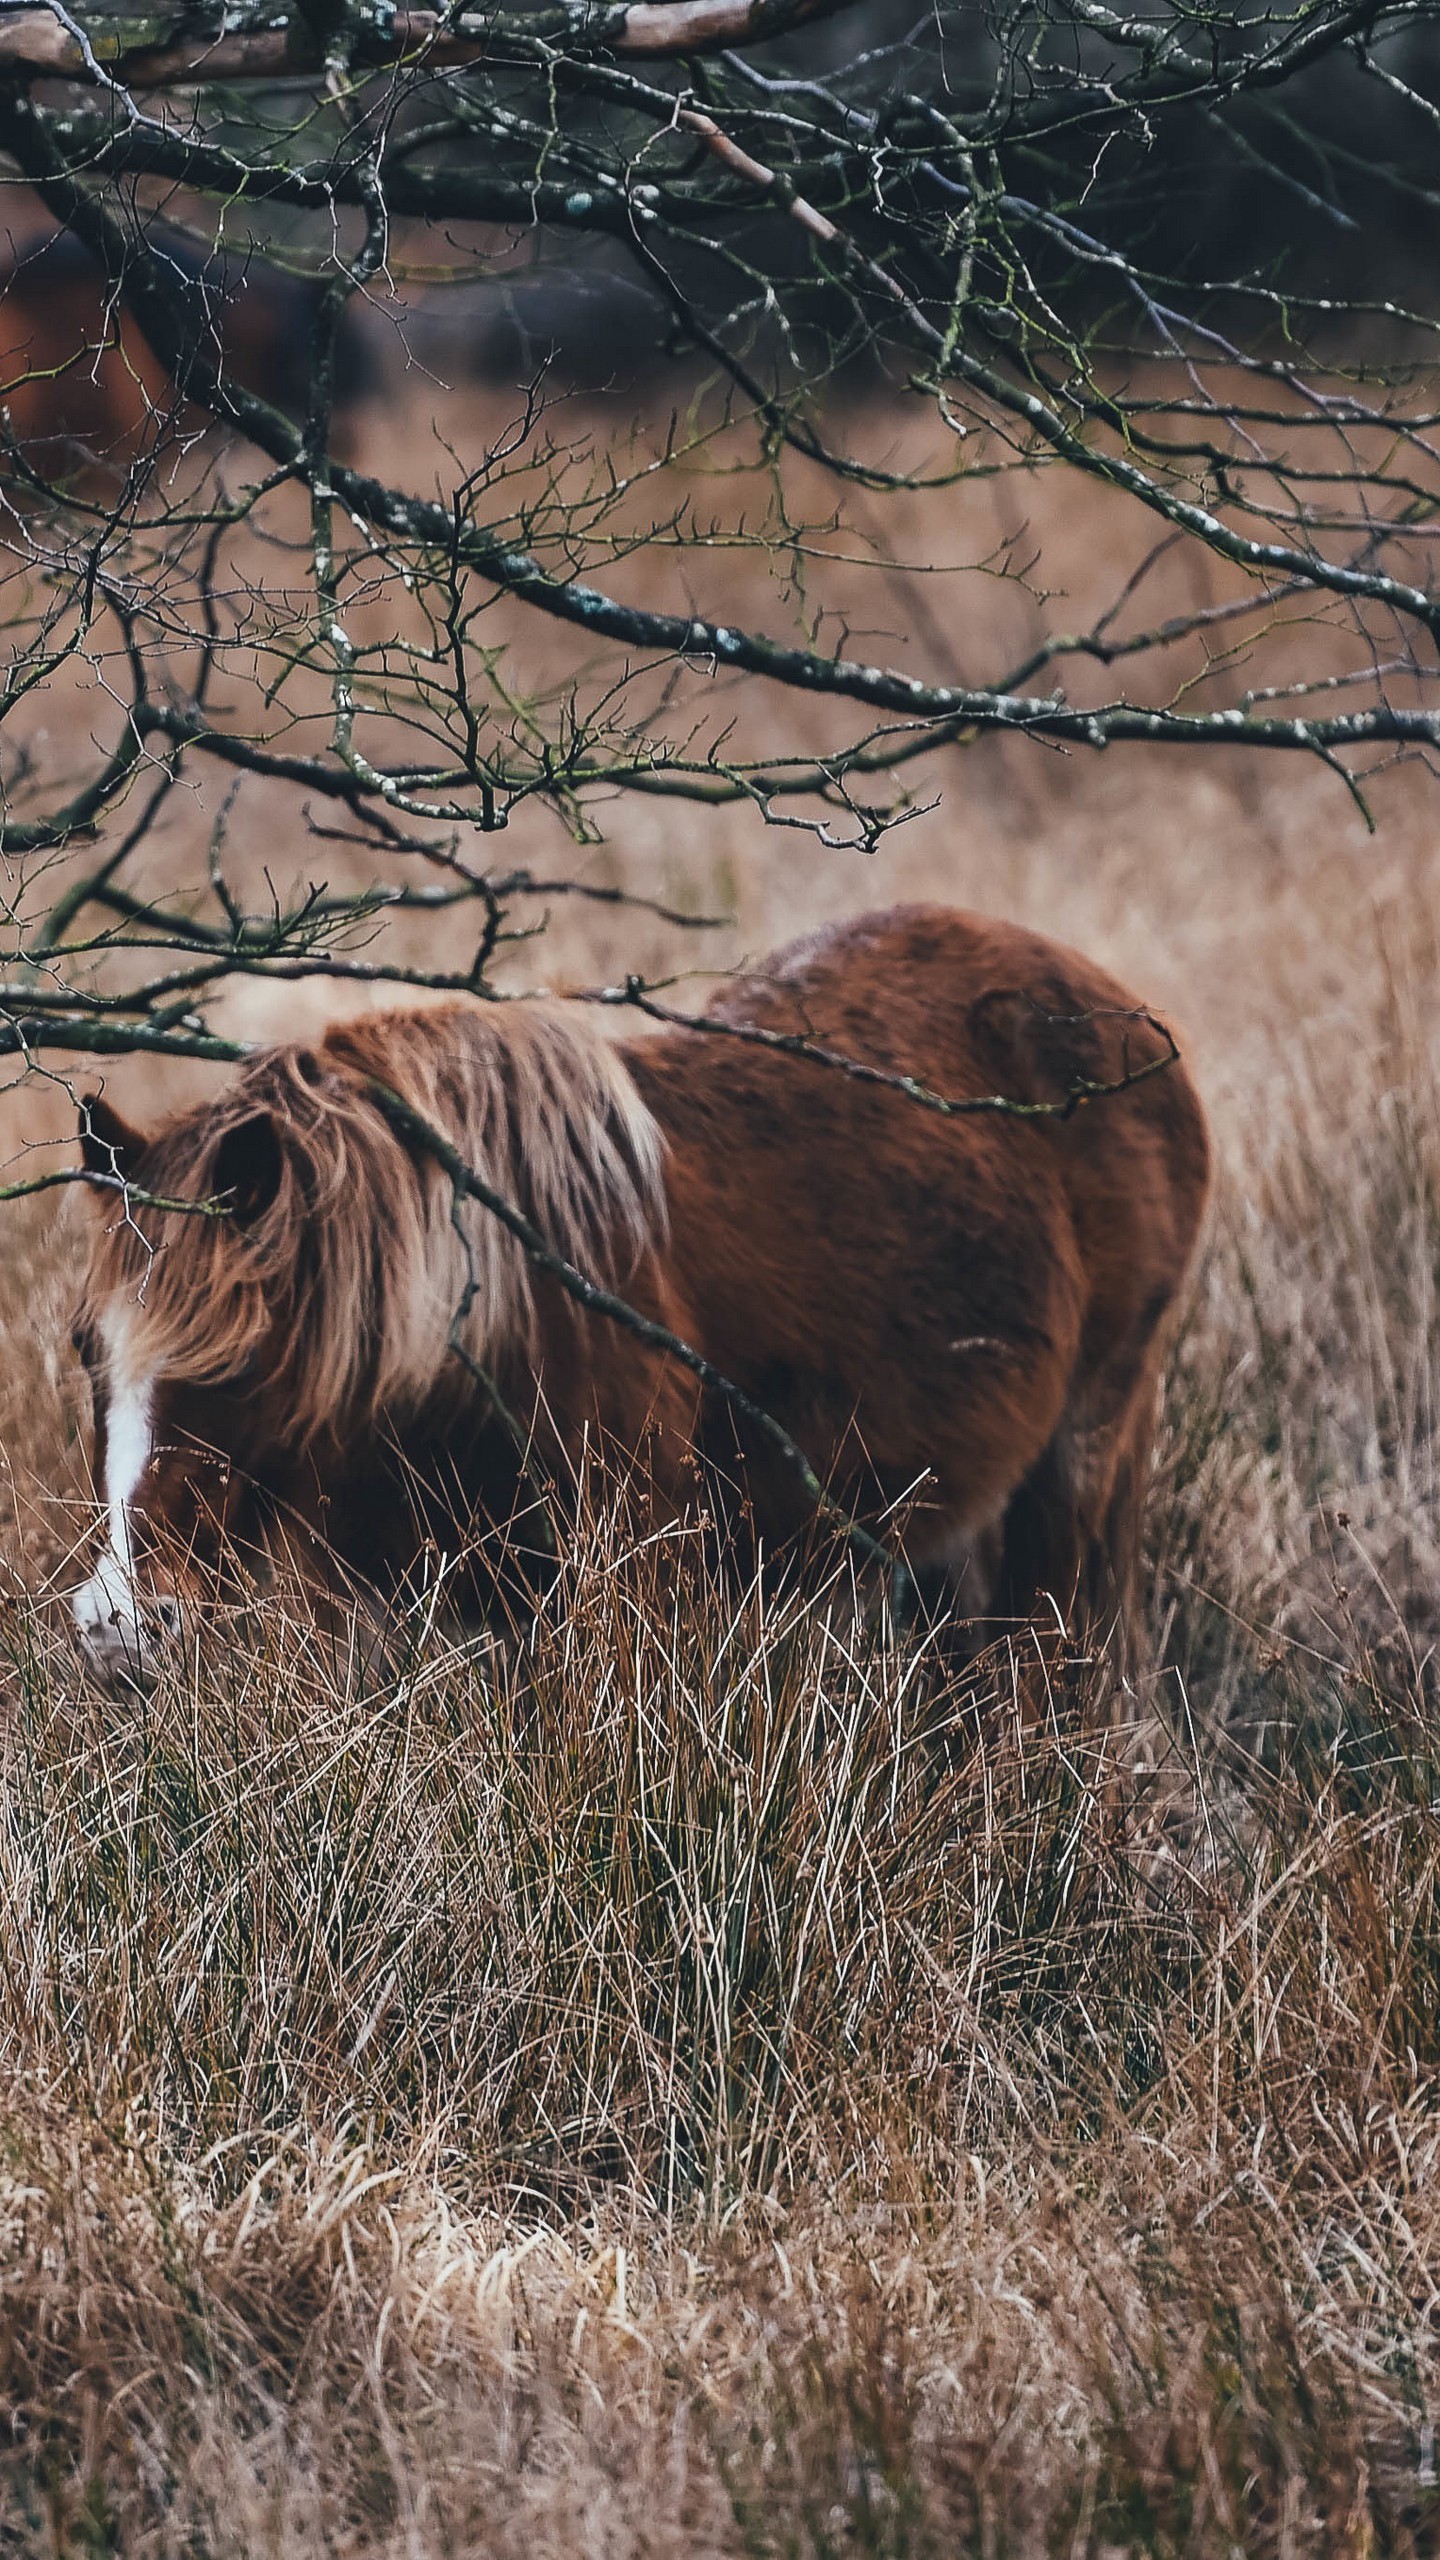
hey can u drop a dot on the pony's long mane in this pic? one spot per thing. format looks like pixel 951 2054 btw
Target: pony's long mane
pixel 356 1270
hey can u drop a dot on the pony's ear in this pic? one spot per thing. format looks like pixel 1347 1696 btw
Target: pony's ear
pixel 108 1144
pixel 247 1167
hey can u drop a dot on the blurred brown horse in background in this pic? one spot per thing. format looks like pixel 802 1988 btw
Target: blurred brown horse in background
pixel 958 1315
pixel 85 394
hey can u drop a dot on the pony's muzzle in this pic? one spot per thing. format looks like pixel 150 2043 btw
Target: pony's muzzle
pixel 122 1631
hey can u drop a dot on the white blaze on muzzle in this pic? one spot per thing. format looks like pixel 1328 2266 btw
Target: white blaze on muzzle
pixel 108 1610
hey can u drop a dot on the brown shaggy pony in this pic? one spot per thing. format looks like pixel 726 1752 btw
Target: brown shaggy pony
pixel 960 1317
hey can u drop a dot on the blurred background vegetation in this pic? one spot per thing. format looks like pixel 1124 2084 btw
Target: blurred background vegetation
pixel 713 2079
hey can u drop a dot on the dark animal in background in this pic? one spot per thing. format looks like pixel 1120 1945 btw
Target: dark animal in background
pixel 961 1320
pixel 586 327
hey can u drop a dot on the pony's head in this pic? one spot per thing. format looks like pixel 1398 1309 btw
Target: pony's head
pixel 278 1274
pixel 187 1327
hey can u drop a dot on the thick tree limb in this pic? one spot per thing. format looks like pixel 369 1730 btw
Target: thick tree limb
pixel 39 40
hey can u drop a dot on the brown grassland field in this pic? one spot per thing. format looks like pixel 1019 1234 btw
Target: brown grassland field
pixel 643 2095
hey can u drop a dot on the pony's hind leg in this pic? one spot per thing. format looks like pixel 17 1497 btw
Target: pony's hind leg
pixel 1072 1532
pixel 1042 1545
pixel 1114 1547
pixel 949 1597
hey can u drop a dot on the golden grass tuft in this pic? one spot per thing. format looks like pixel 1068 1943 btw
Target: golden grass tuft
pixel 710 2079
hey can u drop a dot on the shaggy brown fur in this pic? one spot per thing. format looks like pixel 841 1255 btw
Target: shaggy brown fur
pixel 960 1319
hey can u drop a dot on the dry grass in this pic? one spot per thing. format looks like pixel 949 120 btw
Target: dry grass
pixel 703 2085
